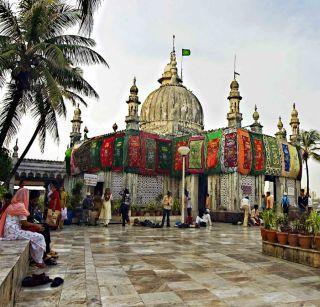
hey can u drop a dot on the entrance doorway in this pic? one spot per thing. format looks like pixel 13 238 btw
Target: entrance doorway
pixel 270 186
pixel 202 191
pixel 99 189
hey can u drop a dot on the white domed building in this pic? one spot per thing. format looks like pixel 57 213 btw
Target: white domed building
pixel 227 163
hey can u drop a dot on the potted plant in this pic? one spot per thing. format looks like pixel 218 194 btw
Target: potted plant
pixel 314 222
pixel 158 204
pixel 269 220
pixel 116 206
pixel 134 209
pixel 283 227
pixel 305 237
pixel 176 207
pixel 293 234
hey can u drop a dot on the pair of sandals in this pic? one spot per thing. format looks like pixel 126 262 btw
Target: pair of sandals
pixel 41 279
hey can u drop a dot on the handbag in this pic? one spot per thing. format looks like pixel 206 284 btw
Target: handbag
pixel 64 213
pixel 52 217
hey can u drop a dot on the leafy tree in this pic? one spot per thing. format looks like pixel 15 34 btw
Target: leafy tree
pixel 40 61
pixel 309 143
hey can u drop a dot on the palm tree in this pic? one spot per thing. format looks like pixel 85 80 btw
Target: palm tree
pixel 309 143
pixel 87 9
pixel 34 50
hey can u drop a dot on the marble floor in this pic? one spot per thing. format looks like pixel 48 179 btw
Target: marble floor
pixel 220 266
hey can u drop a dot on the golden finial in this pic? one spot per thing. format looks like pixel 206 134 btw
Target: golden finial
pixel 255 114
pixel 280 124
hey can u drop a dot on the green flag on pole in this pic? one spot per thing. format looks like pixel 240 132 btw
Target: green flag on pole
pixel 186 52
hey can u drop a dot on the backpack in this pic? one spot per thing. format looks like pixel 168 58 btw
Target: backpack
pixel 285 202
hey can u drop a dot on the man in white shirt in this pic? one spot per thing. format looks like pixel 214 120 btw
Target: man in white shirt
pixel 245 205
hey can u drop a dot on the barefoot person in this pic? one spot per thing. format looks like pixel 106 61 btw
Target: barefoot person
pixel 10 226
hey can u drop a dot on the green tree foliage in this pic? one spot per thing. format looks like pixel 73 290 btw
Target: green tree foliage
pixel 5 163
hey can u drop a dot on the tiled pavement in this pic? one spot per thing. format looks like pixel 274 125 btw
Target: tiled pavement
pixel 220 266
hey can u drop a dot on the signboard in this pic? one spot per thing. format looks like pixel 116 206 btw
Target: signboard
pixel 291 191
pixel 246 189
pixel 90 179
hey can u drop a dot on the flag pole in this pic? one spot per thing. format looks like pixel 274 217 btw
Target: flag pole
pixel 234 67
pixel 181 67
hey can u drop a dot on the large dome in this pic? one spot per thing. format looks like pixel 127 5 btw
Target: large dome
pixel 172 108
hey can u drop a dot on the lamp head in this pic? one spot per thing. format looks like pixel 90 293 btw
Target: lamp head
pixel 184 150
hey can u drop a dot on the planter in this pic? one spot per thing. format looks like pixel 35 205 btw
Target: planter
pixel 175 212
pixel 317 243
pixel 271 235
pixel 293 239
pixel 305 241
pixel 282 238
pixel 133 213
pixel 263 234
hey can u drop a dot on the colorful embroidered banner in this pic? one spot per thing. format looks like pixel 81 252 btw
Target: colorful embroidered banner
pixel 229 157
pixel 82 157
pixel 164 157
pixel 132 151
pixel 118 157
pixel 273 156
pixel 148 153
pixel 244 152
pixel 177 158
pixel 195 157
pixel 295 165
pixel 285 159
pixel 213 152
pixel 95 149
pixel 106 152
pixel 258 154
pixel 67 159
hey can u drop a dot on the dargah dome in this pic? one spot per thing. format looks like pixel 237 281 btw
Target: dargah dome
pixel 172 108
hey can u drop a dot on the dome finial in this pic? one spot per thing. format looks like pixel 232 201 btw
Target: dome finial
pixel 255 114
pixel 134 89
pixel 173 39
pixel 280 124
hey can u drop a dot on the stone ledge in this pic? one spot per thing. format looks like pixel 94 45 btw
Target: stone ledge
pixel 14 265
pixel 308 257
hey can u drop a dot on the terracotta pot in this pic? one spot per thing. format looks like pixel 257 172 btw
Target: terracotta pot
pixel 317 243
pixel 305 241
pixel 263 234
pixel 271 236
pixel 282 238
pixel 293 239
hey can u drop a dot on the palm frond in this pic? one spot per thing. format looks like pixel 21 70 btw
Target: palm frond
pixel 9 25
pixel 72 40
pixel 87 8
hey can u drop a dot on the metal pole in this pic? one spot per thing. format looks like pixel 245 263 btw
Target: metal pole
pixel 183 187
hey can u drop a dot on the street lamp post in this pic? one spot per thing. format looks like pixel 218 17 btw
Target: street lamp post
pixel 183 151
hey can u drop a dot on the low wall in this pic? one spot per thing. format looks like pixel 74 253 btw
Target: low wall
pixel 308 257
pixel 14 265
pixel 227 216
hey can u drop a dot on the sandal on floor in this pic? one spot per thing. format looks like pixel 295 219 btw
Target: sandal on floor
pixel 57 282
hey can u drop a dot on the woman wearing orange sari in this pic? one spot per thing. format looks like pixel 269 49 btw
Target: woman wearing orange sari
pixel 10 226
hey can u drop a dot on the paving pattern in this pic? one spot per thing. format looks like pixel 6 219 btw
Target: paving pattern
pixel 218 266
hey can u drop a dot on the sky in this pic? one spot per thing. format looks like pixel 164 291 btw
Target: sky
pixel 276 43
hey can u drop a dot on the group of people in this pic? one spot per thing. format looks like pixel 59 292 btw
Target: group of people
pixel 19 219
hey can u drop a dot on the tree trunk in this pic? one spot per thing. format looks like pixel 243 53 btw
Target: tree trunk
pixel 7 123
pixel 14 170
pixel 307 172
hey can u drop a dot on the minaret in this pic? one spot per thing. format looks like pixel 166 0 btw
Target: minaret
pixel 281 135
pixel 234 116
pixel 256 126
pixel 75 135
pixel 15 150
pixel 133 119
pixel 294 123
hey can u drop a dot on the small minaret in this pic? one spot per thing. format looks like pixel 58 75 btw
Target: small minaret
pixel 15 150
pixel 256 126
pixel 234 116
pixel 281 135
pixel 294 123
pixel 75 135
pixel 133 119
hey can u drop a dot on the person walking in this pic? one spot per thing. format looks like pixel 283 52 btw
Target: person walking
pixel 285 203
pixel 125 206
pixel 63 199
pixel 87 205
pixel 54 211
pixel 105 215
pixel 167 206
pixel 245 205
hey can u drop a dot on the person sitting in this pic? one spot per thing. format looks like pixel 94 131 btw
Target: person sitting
pixel 35 220
pixel 13 218
pixel 203 219
pixel 255 216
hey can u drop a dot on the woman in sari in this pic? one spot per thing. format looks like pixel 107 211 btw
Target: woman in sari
pixel 10 226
